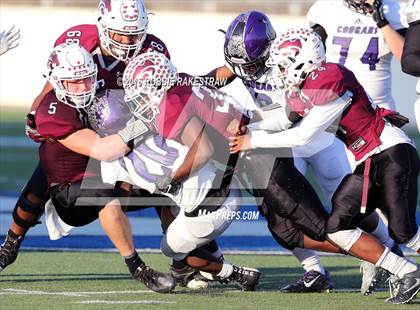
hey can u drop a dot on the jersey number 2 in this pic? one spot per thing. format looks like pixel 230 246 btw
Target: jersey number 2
pixel 370 57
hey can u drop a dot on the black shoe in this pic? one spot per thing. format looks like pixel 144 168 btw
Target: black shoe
pixel 9 250
pixel 311 282
pixel 408 288
pixel 246 277
pixel 189 277
pixel 184 275
pixel 155 280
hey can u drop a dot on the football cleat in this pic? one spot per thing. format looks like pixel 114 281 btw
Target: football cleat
pixel 155 280
pixel 312 282
pixel 9 250
pixel 371 277
pixel 189 277
pixel 408 288
pixel 246 277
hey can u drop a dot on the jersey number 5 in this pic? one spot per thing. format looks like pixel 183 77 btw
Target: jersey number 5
pixel 370 57
pixel 53 108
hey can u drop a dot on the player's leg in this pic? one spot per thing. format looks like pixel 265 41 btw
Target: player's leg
pixel 289 236
pixel 78 206
pixel 278 195
pixel 189 231
pixel 27 211
pixel 343 220
pixel 330 166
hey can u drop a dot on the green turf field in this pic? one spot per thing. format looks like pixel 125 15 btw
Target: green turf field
pixel 57 280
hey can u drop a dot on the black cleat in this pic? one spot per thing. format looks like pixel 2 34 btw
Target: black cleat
pixel 246 277
pixel 311 282
pixel 9 250
pixel 189 277
pixel 408 288
pixel 155 280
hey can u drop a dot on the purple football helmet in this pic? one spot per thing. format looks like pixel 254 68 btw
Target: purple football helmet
pixel 359 6
pixel 109 113
pixel 247 43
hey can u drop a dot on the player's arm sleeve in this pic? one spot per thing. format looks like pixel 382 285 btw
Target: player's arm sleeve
pixel 219 77
pixel 321 31
pixel 278 122
pixel 56 128
pixel 410 60
pixel 317 120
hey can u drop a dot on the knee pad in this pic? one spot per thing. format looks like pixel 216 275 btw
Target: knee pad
pixel 414 243
pixel 345 239
pixel 26 205
pixel 172 250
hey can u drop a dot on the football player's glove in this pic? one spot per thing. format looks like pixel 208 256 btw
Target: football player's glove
pixel 378 14
pixel 167 185
pixel 9 39
pixel 30 128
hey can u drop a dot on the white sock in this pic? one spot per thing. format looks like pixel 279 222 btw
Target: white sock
pixel 395 264
pixel 414 243
pixel 226 271
pixel 381 233
pixel 309 260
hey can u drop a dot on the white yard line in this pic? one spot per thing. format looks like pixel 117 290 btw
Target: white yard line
pixel 118 302
pixel 13 291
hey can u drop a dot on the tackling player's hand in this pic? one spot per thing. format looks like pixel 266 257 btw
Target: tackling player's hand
pixel 30 128
pixel 239 143
pixel 378 14
pixel 9 39
pixel 234 128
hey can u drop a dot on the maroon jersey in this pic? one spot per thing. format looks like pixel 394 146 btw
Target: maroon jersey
pixel 110 70
pixel 55 121
pixel 360 125
pixel 185 101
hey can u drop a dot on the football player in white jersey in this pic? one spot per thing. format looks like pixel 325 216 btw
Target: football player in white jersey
pixel 363 35
pixel 364 45
pixel 410 60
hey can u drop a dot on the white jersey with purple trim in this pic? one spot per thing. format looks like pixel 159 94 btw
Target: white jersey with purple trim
pixel 325 154
pixel 355 41
pixel 412 10
pixel 266 94
pixel 158 157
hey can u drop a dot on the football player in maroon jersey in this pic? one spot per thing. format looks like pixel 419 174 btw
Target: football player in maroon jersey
pixel 179 108
pixel 328 94
pixel 78 196
pixel 121 33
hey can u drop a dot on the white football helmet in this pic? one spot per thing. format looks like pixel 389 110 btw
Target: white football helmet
pixel 71 62
pixel 124 17
pixel 146 80
pixel 296 52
